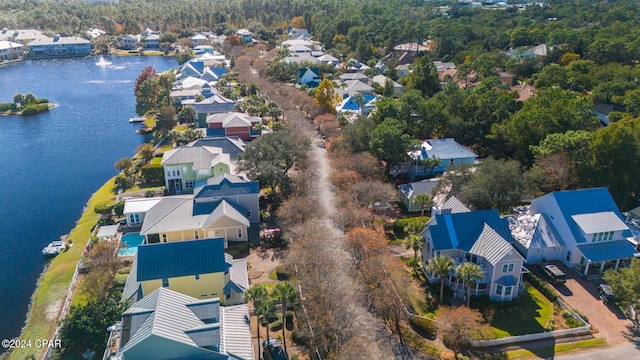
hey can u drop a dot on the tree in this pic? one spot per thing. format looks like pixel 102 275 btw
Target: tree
pixel 414 242
pixel 104 208
pixel 146 152
pixel 422 200
pixel 286 293
pixel 123 183
pixel 298 23
pixel 188 113
pixel 496 184
pixel 359 100
pixel 85 326
pixel 469 273
pixel 440 266
pixel 257 294
pixel 325 96
pixel 124 165
pixel 460 324
pixel 166 119
pixel 625 283
pixel 18 98
pixel 184 56
pixel 147 73
pixel 454 181
pixel 388 143
pixel 423 76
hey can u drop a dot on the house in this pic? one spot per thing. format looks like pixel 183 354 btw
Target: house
pixel 59 46
pixel 403 70
pixel 245 35
pixel 328 59
pixel 95 33
pixel 540 50
pixel 241 193
pixel 233 146
pixel 181 218
pixel 413 47
pixel 299 34
pixel 301 58
pixel 480 237
pixel 129 42
pixel 506 77
pixel 525 91
pixel 353 76
pixel 535 237
pixel 21 35
pixel 135 210
pixel 309 77
pixel 447 151
pixel 381 80
pixel 169 325
pixel 603 111
pixel 352 87
pixel 298 49
pixel 197 40
pixel 353 65
pixel 591 227
pixel 216 103
pixel 10 50
pixel 198 268
pixel 408 192
pixel 185 165
pixel 237 124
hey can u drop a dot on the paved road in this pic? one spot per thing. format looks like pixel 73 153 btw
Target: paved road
pixel 626 351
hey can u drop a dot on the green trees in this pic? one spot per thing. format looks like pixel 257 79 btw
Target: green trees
pixel 440 266
pixel 414 242
pixel 424 201
pixel 257 294
pixel 625 283
pixel 286 293
pixel 389 143
pixel 469 273
pixel 423 77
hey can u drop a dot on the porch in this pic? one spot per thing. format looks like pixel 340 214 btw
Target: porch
pixel 597 257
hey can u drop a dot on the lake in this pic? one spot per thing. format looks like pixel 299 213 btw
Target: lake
pixel 51 163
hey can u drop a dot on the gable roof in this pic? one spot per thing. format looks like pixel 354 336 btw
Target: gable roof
pixel 576 202
pixel 411 190
pixel 181 258
pixel 455 206
pixel 229 145
pixel 225 185
pixel 534 231
pixel 233 119
pixel 462 230
pixel 489 245
pixel 201 156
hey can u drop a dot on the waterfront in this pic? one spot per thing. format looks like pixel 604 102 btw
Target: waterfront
pixel 52 162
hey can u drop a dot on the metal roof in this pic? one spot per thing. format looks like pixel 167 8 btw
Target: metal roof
pixel 141 205
pixel 489 245
pixel 202 157
pixel 607 250
pixel 410 190
pixel 181 258
pixel 235 338
pixel 225 185
pixel 231 146
pixel 462 230
pixel 599 222
pixel 445 149
pixel 506 280
pixel 238 271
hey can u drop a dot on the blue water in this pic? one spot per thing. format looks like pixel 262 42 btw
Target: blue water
pixel 130 243
pixel 51 163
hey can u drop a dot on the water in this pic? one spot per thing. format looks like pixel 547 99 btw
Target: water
pixel 130 243
pixel 51 163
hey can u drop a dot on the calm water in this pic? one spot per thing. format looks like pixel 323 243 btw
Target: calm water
pixel 50 164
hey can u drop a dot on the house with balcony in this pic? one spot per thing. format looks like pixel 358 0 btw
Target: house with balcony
pixel 591 227
pixel 185 165
pixel 443 153
pixel 10 50
pixel 59 46
pixel 480 237
pixel 166 324
pixel 129 42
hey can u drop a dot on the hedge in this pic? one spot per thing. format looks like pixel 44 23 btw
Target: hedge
pixel 542 286
pixel 152 174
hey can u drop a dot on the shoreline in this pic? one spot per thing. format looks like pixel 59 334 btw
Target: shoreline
pixel 52 286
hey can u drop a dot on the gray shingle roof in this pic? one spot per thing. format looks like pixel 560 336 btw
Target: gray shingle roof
pixel 181 258
pixel 411 190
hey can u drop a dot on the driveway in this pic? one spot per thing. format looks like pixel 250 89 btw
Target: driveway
pixel 606 320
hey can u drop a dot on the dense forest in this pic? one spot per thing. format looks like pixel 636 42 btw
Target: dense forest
pixel 593 51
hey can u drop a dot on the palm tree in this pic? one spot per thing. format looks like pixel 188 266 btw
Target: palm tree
pixel 415 242
pixel 469 273
pixel 440 265
pixel 267 308
pixel 286 293
pixel 359 100
pixel 258 294
pixel 423 200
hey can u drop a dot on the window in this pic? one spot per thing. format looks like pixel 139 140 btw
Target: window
pixel 196 235
pixel 507 291
pixel 568 255
pixel 134 218
pixel 248 213
pixel 165 283
pixel 507 267
pixel 498 289
pixel 164 237
pixel 189 184
pixel 239 233
pixel 610 235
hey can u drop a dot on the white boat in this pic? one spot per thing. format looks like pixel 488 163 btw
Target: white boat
pixel 137 119
pixel 53 249
pixel 103 62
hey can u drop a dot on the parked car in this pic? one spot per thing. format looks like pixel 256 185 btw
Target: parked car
pixel 554 274
pixel 273 350
pixel 605 292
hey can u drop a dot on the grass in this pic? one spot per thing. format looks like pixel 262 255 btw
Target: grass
pixel 54 283
pixel 531 316
pixel 180 128
pixel 156 161
pixel 557 348
pixel 150 122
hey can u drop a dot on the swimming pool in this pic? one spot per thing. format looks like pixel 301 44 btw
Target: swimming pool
pixel 129 244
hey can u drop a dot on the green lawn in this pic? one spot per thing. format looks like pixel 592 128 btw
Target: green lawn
pixel 529 316
pixel 54 283
pixel 558 348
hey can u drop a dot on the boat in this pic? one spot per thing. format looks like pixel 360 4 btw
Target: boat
pixel 53 249
pixel 103 62
pixel 137 119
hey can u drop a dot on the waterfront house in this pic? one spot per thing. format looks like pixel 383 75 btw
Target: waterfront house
pixel 135 210
pixel 198 268
pixel 216 103
pixel 129 42
pixel 59 46
pixel 10 50
pixel 241 193
pixel 447 151
pixel 591 227
pixel 169 325
pixel 185 165
pixel 245 35
pixel 198 39
pixel 180 218
pixel 480 237
pixel 237 124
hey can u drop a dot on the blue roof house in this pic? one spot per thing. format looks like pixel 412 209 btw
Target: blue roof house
pixel 447 151
pixel 480 237
pixel 591 227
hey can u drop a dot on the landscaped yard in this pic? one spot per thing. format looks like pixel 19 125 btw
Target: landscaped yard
pixel 528 315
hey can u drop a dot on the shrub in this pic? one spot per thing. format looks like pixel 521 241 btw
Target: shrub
pixel 541 286
pixel 300 338
pixel 282 273
pixel 120 280
pixel 424 327
pixel 4 107
pixel 35 109
pixel 571 321
pixel 124 270
pixel 276 325
pixel 400 225
pixel 152 174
